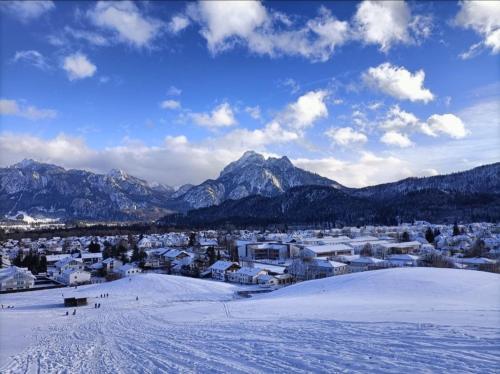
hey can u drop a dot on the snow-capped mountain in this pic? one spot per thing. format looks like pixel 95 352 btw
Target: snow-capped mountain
pixel 252 174
pixel 51 191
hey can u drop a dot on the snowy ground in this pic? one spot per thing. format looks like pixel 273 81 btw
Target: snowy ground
pixel 388 321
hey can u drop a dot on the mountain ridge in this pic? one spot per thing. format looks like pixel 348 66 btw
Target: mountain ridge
pixel 51 191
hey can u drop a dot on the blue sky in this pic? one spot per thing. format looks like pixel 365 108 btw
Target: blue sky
pixel 361 92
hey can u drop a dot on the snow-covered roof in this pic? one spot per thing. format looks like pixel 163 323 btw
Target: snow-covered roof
pixel 11 271
pixel 404 257
pixel 251 272
pixel 477 261
pixel 91 255
pixel 222 265
pixel 367 260
pixel 318 249
pixel 401 245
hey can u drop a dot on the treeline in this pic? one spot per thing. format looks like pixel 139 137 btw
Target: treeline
pixel 95 230
pixel 32 260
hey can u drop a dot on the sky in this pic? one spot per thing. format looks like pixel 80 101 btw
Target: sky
pixel 360 92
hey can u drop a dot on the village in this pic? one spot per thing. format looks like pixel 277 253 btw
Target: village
pixel 265 260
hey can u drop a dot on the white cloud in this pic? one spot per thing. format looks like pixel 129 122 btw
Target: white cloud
pixel 31 57
pixel 397 139
pixel 89 36
pixel 368 169
pixel 291 84
pixel 345 136
pixel 170 104
pixel 244 139
pixel 78 66
pixel 126 21
pixel 178 23
pixel 220 116
pixel 448 124
pixel 13 108
pixel 386 23
pixel 253 111
pixel 249 23
pixel 396 118
pixel 306 110
pixel 174 91
pixel 25 10
pixel 398 82
pixel 484 18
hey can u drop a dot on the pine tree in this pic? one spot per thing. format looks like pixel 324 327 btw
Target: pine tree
pixel 429 235
pixel 405 237
pixel 456 230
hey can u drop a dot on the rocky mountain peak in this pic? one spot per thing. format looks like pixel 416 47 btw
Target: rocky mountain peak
pixel 249 158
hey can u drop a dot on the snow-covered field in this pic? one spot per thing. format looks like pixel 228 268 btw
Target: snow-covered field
pixel 388 321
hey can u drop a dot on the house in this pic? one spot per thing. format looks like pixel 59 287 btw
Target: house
pixel 267 251
pixel 267 280
pixel 221 269
pixel 246 275
pixel 401 248
pixel 367 263
pixel 68 263
pixel 329 250
pixel 403 260
pixel 89 258
pixel 16 278
pixel 72 277
pixel 315 268
pixel 128 270
pixel 111 264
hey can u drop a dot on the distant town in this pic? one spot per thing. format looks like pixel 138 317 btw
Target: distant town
pixel 263 259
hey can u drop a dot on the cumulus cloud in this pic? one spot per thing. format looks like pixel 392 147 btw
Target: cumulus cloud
pixel 398 82
pixel 14 108
pixel 484 18
pixel 31 57
pixel 387 23
pixel 126 22
pixel 174 91
pixel 345 136
pixel 306 110
pixel 78 66
pixel 27 10
pixel 396 138
pixel 170 104
pixel 249 23
pixel 220 116
pixel 396 118
pixel 448 124
pixel 178 23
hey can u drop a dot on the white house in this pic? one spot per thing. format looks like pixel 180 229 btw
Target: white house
pixel 68 263
pixel 128 270
pixel 246 275
pixel 72 277
pixel 367 263
pixel 329 250
pixel 15 278
pixel 111 264
pixel 221 269
pixel 403 260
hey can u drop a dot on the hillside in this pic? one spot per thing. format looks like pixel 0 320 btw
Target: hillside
pixel 418 320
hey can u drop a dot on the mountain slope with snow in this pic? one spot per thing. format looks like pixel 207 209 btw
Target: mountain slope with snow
pixel 51 191
pixel 252 174
pixel 396 320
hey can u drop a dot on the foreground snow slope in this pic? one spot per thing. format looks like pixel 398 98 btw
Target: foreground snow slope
pixel 401 294
pixel 414 319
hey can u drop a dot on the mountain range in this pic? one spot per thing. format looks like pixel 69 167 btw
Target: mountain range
pixel 251 189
